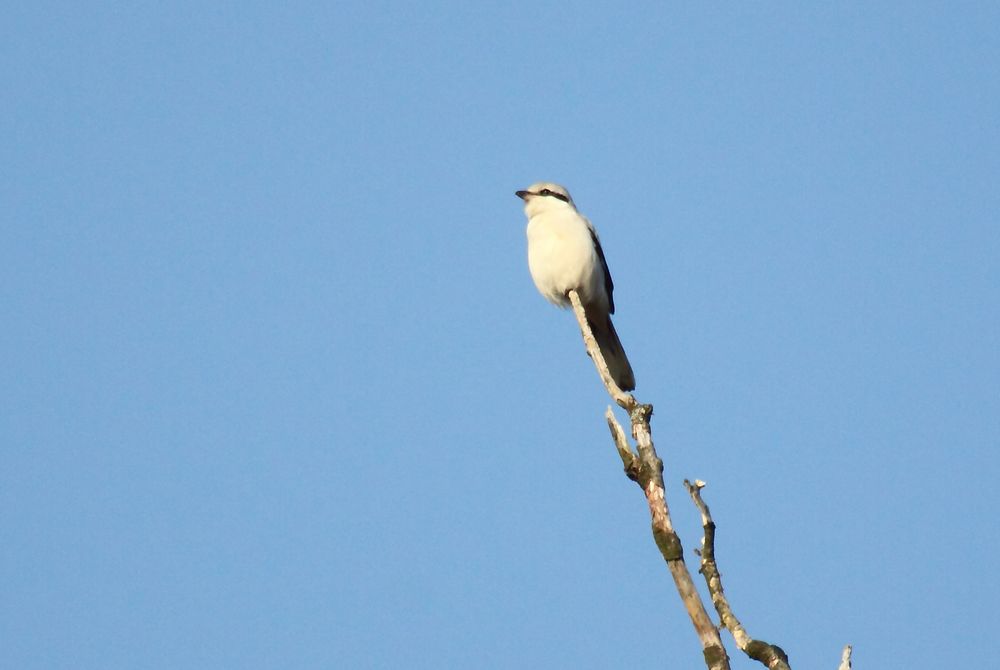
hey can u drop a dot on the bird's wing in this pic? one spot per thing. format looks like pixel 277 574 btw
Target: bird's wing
pixel 609 286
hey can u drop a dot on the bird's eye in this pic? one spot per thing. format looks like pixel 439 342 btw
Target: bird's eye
pixel 545 191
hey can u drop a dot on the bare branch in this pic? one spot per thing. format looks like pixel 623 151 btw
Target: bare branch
pixel 772 656
pixel 629 460
pixel 646 469
pixel 845 658
pixel 625 400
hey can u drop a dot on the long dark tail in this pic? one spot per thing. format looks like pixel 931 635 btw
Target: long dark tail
pixel 611 349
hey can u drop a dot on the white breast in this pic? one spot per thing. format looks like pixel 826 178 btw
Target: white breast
pixel 561 256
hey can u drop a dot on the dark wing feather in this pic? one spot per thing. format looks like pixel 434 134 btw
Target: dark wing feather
pixel 609 286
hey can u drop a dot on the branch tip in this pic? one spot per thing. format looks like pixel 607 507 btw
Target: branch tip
pixel 845 658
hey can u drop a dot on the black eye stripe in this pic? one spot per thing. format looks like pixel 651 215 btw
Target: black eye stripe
pixel 546 191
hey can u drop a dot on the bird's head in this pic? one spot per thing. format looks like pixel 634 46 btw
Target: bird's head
pixel 543 197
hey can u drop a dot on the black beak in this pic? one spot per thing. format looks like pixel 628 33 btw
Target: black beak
pixel 522 194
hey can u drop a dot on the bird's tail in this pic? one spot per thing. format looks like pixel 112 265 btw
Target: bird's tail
pixel 611 349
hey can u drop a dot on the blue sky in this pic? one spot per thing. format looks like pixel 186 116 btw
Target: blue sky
pixel 278 391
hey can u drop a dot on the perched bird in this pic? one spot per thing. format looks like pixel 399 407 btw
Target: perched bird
pixel 564 254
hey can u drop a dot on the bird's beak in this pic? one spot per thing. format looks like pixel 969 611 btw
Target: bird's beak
pixel 522 194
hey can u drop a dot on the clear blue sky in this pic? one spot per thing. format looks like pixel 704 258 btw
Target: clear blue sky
pixel 278 391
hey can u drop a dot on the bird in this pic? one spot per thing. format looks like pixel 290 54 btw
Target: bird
pixel 564 254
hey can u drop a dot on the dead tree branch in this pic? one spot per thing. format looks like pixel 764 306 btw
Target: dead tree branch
pixel 845 658
pixel 772 656
pixel 646 469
